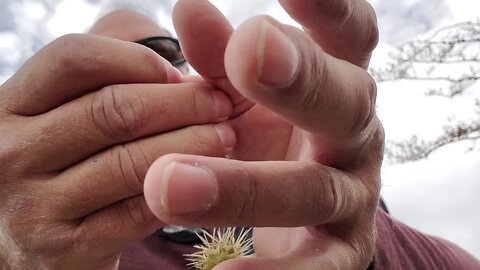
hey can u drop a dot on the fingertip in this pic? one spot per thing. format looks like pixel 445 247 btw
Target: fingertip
pixel 222 105
pixel 174 75
pixel 193 79
pixel 202 45
pixel 277 56
pixel 178 8
pixel 227 136
pixel 260 56
pixel 175 187
pixel 153 185
pixel 241 63
pixel 344 29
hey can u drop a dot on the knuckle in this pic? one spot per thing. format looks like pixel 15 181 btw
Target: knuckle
pixel 200 142
pixel 56 240
pixel 313 96
pixel 366 192
pixel 372 195
pixel 153 62
pixel 130 167
pixel 27 232
pixel 329 192
pixel 117 113
pixel 198 98
pixel 372 35
pixel 372 99
pixel 371 89
pixel 80 235
pixel 69 56
pixel 245 209
pixel 344 11
pixel 338 12
pixel 365 107
pixel 138 212
pixel 62 51
pixel 197 104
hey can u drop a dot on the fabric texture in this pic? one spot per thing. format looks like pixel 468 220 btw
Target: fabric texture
pixel 401 247
pixel 398 247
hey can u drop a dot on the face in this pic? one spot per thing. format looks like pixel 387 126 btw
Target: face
pixel 128 25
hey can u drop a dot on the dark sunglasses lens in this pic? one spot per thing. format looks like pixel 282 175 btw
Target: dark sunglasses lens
pixel 168 49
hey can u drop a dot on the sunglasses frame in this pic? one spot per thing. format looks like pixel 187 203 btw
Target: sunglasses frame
pixel 175 63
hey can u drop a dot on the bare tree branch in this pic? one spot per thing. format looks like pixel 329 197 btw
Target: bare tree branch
pixel 416 149
pixel 450 55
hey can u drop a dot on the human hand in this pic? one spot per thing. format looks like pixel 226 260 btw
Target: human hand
pixel 79 132
pixel 302 98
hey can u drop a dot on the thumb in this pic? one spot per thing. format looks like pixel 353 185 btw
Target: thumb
pixel 203 33
pixel 283 69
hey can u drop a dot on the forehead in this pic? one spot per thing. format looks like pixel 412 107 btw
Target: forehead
pixel 127 25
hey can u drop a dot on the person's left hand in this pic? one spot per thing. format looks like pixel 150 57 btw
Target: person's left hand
pixel 304 118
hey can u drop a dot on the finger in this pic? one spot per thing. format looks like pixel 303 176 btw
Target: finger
pixel 118 114
pixel 312 254
pixel 117 226
pixel 204 54
pixel 204 46
pixel 282 69
pixel 345 29
pixel 258 263
pixel 118 173
pixel 193 79
pixel 303 262
pixel 193 190
pixel 77 64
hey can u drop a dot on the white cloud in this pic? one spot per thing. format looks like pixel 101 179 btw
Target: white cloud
pixel 9 44
pixel 400 21
pixel 35 11
pixel 464 10
pixel 72 16
pixel 165 20
pixel 239 11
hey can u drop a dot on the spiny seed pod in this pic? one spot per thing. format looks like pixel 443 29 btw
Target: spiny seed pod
pixel 218 247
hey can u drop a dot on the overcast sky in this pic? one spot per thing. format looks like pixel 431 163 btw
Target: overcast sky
pixel 437 196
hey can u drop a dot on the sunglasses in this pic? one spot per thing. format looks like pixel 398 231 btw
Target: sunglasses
pixel 167 47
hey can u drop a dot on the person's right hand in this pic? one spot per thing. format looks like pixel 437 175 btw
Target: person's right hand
pixel 78 133
pixel 309 146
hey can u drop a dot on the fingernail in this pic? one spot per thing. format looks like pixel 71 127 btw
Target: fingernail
pixel 277 56
pixel 227 136
pixel 174 75
pixel 187 189
pixel 222 105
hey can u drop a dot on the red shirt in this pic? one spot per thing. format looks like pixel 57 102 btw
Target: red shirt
pixel 398 247
pixel 401 247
